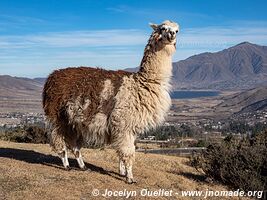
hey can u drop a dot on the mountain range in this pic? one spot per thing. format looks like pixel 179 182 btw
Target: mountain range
pixel 243 66
pixel 19 87
pixel 20 94
pixel 240 67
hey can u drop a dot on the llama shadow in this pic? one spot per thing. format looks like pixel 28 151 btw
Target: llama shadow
pixel 34 157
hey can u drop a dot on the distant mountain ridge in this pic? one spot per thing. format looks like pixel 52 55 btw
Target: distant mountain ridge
pixel 40 80
pixel 19 94
pixel 19 88
pixel 243 66
pixel 239 67
pixel 19 83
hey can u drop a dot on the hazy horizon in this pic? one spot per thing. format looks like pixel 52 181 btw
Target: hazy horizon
pixel 45 76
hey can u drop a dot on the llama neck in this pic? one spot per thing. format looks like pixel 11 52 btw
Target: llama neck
pixel 156 65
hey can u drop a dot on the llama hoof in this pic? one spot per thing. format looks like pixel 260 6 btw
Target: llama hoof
pixel 85 168
pixel 67 168
pixel 122 174
pixel 130 181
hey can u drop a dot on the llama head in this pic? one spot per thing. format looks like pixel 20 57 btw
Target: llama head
pixel 165 32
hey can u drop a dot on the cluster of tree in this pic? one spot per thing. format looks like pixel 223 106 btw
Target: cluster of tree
pixel 172 132
pixel 27 134
pixel 239 164
pixel 244 128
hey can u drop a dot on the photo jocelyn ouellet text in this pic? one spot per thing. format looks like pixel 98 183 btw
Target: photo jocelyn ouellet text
pixel 171 193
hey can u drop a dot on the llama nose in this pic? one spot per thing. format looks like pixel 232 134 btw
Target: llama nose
pixel 172 33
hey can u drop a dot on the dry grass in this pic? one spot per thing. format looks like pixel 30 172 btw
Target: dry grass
pixel 29 171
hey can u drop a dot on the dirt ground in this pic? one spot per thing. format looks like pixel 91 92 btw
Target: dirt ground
pixel 32 171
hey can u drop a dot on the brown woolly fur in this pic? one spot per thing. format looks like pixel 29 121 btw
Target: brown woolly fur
pixel 66 85
pixel 103 107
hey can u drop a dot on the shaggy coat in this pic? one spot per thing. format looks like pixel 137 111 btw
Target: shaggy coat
pixel 102 107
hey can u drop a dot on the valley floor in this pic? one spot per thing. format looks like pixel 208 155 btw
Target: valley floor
pixel 31 171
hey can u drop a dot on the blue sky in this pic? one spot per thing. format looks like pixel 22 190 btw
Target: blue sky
pixel 37 37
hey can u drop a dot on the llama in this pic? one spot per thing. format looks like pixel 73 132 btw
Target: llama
pixel 102 107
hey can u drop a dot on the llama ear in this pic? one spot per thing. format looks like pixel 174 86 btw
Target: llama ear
pixel 154 26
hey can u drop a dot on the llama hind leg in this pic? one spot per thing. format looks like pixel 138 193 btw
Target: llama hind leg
pixel 64 157
pixel 59 146
pixel 76 150
pixel 78 156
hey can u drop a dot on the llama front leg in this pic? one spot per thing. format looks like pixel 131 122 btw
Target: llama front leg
pixel 127 156
pixel 122 169
pixel 128 162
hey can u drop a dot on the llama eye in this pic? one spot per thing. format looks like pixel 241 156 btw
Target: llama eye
pixel 176 31
pixel 163 29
